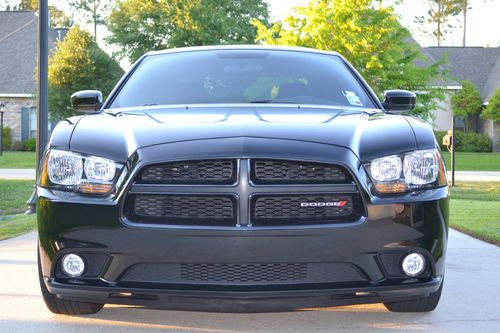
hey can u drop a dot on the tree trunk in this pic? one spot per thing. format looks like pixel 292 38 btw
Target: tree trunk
pixel 464 11
pixel 438 32
pixel 95 22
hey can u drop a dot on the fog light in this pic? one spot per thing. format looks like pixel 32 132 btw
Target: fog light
pixel 73 265
pixel 413 264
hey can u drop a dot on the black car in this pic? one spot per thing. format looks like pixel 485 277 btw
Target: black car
pixel 242 179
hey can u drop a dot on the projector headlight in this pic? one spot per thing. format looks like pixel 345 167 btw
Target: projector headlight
pixel 400 173
pixel 71 171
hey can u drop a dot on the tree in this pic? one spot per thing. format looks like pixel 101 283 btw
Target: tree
pixel 467 101
pixel 465 8
pixel 78 64
pixel 438 13
pixel 369 36
pixel 492 110
pixel 93 10
pixel 138 26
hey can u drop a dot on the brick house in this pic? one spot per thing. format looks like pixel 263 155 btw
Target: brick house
pixel 18 57
pixel 481 66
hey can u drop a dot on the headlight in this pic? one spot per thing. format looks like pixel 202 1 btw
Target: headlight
pixel 421 167
pixel 386 169
pixel 100 169
pixel 400 173
pixel 65 168
pixel 72 171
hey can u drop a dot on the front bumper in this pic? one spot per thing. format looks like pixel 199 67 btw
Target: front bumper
pixel 248 301
pixel 392 227
pixel 97 231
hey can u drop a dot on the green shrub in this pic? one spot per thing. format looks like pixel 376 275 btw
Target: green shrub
pixel 17 146
pixel 467 141
pixel 30 145
pixel 6 139
pixel 439 137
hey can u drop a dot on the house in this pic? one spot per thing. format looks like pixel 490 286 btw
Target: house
pixel 18 58
pixel 481 66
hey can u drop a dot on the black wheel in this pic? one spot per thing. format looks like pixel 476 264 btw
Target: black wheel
pixel 425 304
pixel 60 306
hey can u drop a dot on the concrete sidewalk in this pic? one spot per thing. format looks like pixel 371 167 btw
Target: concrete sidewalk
pixel 480 176
pixel 28 174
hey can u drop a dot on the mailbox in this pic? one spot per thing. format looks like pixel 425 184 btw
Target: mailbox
pixel 447 140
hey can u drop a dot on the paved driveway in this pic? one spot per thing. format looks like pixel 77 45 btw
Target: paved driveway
pixel 470 303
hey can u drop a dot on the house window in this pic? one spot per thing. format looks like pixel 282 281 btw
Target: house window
pixel 28 123
pixel 32 123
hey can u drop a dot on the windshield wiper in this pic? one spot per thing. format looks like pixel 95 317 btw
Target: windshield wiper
pixel 269 101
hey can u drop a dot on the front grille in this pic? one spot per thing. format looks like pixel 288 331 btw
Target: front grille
pixel 190 172
pixel 175 209
pixel 243 274
pixel 302 209
pixel 245 192
pixel 286 172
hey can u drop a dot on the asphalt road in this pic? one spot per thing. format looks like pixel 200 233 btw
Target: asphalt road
pixel 470 303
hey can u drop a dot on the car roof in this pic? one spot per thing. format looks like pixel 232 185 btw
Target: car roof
pixel 242 48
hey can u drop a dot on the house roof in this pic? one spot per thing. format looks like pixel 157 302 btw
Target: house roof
pixel 18 51
pixel 480 65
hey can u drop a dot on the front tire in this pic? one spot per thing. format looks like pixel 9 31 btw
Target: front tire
pixel 425 304
pixel 60 306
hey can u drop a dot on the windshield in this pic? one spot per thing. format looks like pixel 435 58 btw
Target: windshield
pixel 242 76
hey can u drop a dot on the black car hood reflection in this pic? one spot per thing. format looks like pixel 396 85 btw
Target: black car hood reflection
pixel 116 134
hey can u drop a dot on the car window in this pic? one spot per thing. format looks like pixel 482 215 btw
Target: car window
pixel 242 76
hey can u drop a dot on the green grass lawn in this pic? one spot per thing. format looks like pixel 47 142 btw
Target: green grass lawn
pixel 17 160
pixel 475 208
pixel 13 195
pixel 17 225
pixel 473 161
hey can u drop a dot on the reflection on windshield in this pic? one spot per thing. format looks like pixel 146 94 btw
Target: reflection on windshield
pixel 242 76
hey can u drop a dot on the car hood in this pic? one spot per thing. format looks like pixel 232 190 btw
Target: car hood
pixel 117 134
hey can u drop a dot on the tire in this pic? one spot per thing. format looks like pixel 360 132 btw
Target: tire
pixel 60 306
pixel 425 304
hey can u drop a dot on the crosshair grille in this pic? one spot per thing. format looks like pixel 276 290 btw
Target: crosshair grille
pixel 246 192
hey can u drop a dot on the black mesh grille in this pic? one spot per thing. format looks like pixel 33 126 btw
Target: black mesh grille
pixel 301 209
pixel 286 172
pixel 243 274
pixel 170 209
pixel 191 172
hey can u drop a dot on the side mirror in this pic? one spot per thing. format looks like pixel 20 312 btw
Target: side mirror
pixel 86 101
pixel 399 100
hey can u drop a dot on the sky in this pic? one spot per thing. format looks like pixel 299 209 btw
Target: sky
pixel 483 27
pixel 483 21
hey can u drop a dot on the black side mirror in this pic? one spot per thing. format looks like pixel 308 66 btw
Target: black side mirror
pixel 86 101
pixel 399 100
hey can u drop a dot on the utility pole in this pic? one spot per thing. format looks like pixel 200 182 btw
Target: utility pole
pixel 2 106
pixel 42 119
pixel 453 142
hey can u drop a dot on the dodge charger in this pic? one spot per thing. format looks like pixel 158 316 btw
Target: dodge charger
pixel 242 178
